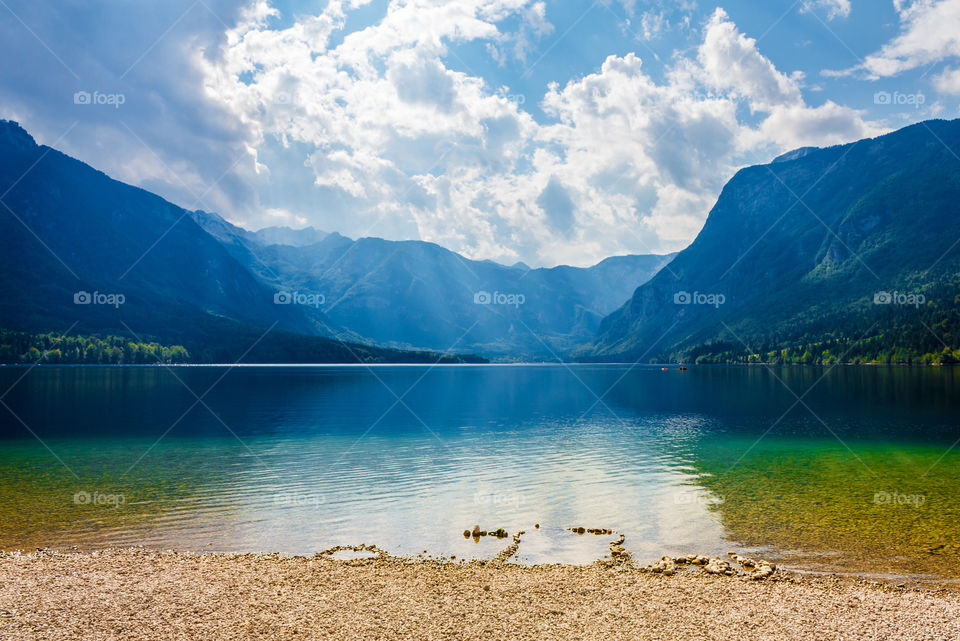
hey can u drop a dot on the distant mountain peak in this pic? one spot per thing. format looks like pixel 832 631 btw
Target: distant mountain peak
pixel 800 152
pixel 283 235
pixel 13 135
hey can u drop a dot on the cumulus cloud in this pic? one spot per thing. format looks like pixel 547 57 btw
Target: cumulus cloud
pixel 928 34
pixel 400 145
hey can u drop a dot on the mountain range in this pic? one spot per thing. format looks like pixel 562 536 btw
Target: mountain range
pixel 849 253
pixel 74 242
pixel 85 253
pixel 414 294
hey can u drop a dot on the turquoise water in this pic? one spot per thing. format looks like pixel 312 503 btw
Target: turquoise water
pixel 858 477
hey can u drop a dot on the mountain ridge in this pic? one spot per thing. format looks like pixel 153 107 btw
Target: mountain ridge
pixel 799 247
pixel 196 279
pixel 83 252
pixel 413 293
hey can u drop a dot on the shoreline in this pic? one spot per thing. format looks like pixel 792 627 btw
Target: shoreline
pixel 135 593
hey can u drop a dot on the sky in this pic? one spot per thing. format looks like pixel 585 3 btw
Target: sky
pixel 549 132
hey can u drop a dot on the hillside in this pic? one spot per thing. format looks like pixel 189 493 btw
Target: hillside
pixel 793 255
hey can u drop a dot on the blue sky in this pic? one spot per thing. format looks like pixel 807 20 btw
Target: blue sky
pixel 548 132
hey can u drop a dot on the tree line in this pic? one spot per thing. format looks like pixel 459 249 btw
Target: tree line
pixel 53 348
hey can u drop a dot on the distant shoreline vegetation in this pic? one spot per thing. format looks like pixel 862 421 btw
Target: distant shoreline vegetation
pixel 52 348
pixel 876 350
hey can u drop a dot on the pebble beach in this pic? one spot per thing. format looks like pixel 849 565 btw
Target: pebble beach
pixel 134 594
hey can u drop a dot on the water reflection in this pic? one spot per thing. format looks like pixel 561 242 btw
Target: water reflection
pixel 300 459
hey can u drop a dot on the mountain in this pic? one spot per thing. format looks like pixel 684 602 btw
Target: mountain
pixel 78 249
pixel 287 236
pixel 414 294
pixel 844 253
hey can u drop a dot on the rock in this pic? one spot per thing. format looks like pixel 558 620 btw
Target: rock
pixel 717 566
pixel 536 525
pixel 762 572
pixel 466 534
pixel 476 530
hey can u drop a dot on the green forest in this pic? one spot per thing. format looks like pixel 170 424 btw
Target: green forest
pixel 23 347
pixel 932 341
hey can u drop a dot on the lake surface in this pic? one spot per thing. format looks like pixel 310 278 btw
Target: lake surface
pixel 858 476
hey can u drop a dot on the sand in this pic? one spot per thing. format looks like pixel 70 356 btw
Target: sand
pixel 138 594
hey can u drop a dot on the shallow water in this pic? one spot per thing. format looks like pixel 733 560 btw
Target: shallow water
pixel 857 477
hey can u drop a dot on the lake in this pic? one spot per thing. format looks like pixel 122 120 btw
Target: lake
pixel 858 475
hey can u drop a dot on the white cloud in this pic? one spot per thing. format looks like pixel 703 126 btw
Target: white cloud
pixel 401 145
pixel 928 34
pixel 732 62
pixel 834 8
pixel 948 81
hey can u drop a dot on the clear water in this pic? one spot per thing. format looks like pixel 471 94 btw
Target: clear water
pixel 857 477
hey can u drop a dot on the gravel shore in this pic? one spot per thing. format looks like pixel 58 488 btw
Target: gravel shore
pixel 137 594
